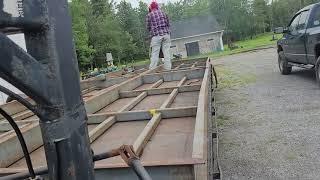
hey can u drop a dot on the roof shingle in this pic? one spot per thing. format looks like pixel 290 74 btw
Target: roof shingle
pixel 194 26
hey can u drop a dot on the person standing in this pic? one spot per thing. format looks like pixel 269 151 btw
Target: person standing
pixel 158 26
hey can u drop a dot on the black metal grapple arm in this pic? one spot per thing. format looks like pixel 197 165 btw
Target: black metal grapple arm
pixel 48 73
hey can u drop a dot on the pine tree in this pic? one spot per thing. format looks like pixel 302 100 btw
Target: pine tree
pixel 85 53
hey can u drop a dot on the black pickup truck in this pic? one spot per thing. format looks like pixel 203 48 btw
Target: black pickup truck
pixel 300 45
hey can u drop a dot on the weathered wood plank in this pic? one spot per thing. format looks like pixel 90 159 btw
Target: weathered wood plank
pixel 12 108
pixel 134 102
pixel 111 82
pixel 200 60
pixel 101 128
pixel 170 99
pixel 185 68
pixel 173 94
pixel 10 149
pixel 199 150
pixel 200 171
pixel 176 68
pixel 106 120
pixel 22 115
pixel 88 90
pixel 105 97
pixel 101 100
pixel 183 80
pixel 158 91
pixel 5 126
pixel 150 128
pixel 157 84
pixel 106 124
pixel 92 82
pixel 130 84
pixel 194 64
pixel 174 76
pixel 202 117
pixel 167 113
pixel 146 134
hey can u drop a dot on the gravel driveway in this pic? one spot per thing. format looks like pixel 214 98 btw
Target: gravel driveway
pixel 269 123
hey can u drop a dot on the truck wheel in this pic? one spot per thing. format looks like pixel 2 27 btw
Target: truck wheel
pixel 317 69
pixel 284 68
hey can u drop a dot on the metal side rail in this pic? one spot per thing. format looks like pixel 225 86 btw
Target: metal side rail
pixel 213 134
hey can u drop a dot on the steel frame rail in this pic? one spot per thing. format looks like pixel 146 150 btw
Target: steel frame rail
pixel 105 97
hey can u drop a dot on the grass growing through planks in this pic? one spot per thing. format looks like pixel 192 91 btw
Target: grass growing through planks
pixel 222 120
pixel 291 156
pixel 229 79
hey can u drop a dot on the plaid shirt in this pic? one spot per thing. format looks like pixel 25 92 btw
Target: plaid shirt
pixel 158 23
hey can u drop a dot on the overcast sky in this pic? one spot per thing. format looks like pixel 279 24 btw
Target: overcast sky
pixel 136 2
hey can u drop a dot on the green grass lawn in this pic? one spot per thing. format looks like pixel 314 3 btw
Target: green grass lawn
pixel 140 62
pixel 263 40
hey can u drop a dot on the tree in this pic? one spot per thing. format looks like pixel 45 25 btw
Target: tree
pixel 85 53
pixel 175 10
pixel 261 15
pixel 101 26
pixel 101 7
pixel 186 8
pixel 235 16
pixel 142 12
pixel 130 24
pixel 106 34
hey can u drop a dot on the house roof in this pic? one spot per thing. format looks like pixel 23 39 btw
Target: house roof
pixel 194 26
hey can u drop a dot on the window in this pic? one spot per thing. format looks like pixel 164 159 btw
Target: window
pixel 173 46
pixel 303 20
pixel 294 24
pixel 316 18
pixel 210 39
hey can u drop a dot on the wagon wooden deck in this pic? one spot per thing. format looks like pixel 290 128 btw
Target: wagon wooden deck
pixel 165 115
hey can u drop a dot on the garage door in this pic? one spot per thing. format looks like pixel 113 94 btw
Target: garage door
pixel 193 48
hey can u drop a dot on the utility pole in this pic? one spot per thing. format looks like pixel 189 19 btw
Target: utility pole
pixel 48 73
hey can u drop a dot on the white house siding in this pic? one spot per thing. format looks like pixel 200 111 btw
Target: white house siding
pixel 208 43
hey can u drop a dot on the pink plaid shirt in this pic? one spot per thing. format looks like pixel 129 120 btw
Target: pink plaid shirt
pixel 158 23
